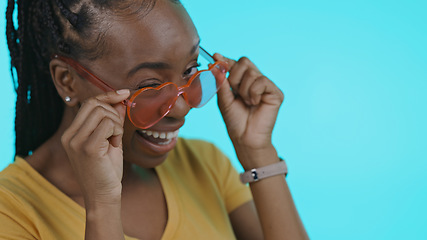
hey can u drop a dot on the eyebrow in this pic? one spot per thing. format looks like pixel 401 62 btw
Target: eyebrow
pixel 158 65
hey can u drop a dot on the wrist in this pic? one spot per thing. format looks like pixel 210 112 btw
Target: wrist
pixel 103 197
pixel 99 203
pixel 99 206
pixel 103 221
pixel 251 157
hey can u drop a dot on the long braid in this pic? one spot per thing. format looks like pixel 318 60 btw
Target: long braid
pixel 11 38
pixel 70 16
pixel 38 106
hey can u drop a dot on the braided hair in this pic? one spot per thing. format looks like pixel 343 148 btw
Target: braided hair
pixel 73 28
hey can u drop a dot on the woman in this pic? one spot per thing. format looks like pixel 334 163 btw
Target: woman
pixel 91 165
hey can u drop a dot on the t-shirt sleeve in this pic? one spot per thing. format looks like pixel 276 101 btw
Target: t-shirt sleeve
pixel 233 191
pixel 13 221
pixel 10 229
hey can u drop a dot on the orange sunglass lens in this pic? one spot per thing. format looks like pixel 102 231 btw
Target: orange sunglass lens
pixel 150 105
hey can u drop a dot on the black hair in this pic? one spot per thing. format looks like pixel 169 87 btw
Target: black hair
pixel 72 28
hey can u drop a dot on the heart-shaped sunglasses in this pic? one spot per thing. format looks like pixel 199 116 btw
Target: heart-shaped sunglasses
pixel 149 105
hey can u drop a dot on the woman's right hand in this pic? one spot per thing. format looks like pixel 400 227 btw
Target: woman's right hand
pixel 93 143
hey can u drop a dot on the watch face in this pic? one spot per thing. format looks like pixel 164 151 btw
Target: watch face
pixel 254 175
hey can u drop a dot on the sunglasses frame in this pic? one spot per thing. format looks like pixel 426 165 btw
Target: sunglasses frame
pixel 92 78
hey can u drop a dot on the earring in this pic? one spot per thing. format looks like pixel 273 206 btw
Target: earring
pixel 67 99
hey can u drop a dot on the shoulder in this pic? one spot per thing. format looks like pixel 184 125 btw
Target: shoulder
pixel 15 213
pixel 13 184
pixel 11 177
pixel 22 188
pixel 198 160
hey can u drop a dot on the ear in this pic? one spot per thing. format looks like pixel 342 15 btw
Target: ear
pixel 65 81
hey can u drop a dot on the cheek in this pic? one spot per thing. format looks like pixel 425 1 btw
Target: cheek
pixel 129 130
pixel 128 140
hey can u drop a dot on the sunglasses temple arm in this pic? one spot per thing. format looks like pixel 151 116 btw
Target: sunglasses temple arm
pixel 206 55
pixel 96 81
pixel 84 73
pixel 93 79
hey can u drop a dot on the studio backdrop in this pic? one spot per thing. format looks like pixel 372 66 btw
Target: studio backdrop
pixel 353 125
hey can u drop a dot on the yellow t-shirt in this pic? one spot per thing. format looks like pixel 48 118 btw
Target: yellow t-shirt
pixel 200 185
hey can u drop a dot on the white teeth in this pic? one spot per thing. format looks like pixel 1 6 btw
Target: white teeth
pixel 170 135
pixel 162 135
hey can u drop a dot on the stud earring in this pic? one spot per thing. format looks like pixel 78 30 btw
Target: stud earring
pixel 67 99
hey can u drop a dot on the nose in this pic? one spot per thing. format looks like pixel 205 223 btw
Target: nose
pixel 180 109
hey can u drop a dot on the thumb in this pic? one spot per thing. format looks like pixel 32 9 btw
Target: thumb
pixel 121 109
pixel 225 95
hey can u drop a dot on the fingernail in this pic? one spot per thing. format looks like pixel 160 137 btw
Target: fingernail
pixel 122 91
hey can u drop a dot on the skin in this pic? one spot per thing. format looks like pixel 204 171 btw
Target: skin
pixel 92 156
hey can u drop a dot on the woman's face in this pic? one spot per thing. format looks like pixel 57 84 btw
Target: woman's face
pixel 160 47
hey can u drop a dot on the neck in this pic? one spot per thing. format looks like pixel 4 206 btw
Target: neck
pixel 51 160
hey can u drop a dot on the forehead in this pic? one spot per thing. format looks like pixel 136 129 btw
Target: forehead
pixel 165 33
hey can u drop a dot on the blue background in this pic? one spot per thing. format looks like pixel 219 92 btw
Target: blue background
pixel 353 125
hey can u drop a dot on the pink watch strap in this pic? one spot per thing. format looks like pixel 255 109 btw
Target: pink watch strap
pixel 257 174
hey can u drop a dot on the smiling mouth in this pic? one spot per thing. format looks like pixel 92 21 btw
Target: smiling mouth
pixel 160 138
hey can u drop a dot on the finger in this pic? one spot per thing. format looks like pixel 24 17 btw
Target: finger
pixel 90 115
pixel 93 120
pixel 263 89
pixel 120 96
pixel 230 62
pixel 236 74
pixel 78 140
pixel 98 142
pixel 121 109
pixel 249 77
pixel 116 140
pixel 238 71
pixel 256 91
pixel 104 100
pixel 109 130
pixel 225 95
pixel 231 67
pixel 114 97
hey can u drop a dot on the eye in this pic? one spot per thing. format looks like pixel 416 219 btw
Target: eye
pixel 153 85
pixel 191 71
pixel 147 84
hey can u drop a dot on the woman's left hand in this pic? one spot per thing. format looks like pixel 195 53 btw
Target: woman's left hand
pixel 249 103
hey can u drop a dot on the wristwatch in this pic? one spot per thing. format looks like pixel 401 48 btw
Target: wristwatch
pixel 257 174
